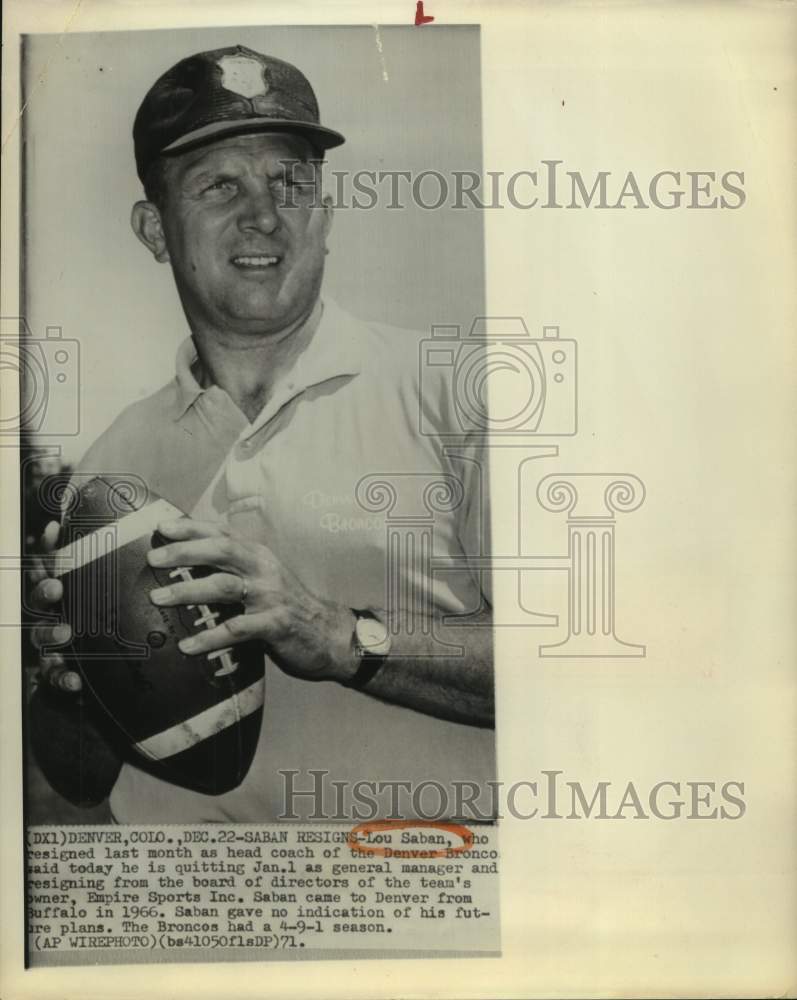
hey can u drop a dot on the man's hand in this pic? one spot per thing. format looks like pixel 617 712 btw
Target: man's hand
pixel 44 593
pixel 72 751
pixel 311 638
pixel 306 636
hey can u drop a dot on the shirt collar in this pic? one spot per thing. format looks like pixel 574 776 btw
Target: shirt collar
pixel 334 350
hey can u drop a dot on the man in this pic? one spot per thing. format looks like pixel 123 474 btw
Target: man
pixel 281 405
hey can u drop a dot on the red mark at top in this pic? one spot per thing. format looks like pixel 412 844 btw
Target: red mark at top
pixel 420 17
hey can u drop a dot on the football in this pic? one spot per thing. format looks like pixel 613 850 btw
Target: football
pixel 191 720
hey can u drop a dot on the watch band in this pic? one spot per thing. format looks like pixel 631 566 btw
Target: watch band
pixel 369 667
pixel 370 663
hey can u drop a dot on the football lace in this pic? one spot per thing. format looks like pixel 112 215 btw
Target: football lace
pixel 209 619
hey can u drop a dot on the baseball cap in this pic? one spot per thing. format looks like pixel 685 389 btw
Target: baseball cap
pixel 229 91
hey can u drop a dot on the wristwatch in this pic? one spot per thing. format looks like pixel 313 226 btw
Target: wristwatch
pixel 371 641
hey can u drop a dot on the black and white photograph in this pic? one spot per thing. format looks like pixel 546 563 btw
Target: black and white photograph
pixel 290 439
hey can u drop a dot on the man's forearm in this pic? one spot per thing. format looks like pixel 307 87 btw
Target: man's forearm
pixel 419 674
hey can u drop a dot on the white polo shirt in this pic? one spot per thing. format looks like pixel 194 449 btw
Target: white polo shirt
pixel 359 407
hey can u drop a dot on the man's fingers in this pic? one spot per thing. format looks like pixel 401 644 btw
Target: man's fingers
pixel 50 536
pixel 37 572
pixel 218 588
pixel 43 636
pixel 54 673
pixel 184 528
pixel 65 680
pixel 50 660
pixel 38 569
pixel 46 593
pixel 239 629
pixel 221 551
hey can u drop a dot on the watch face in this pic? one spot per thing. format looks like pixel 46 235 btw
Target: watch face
pixel 372 636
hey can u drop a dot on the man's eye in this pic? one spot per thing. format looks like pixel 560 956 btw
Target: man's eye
pixel 220 185
pixel 292 190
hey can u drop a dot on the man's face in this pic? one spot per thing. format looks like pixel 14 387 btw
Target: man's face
pixel 245 230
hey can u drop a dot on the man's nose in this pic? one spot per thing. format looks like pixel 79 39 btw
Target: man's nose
pixel 259 209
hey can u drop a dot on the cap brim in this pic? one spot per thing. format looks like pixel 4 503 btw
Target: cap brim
pixel 318 135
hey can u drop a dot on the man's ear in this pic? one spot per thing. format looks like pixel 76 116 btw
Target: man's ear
pixel 327 205
pixel 148 227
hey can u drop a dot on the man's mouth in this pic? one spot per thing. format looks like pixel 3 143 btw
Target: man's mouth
pixel 256 260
